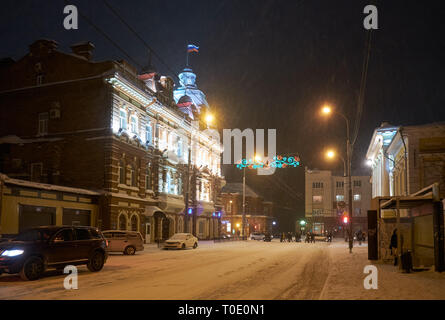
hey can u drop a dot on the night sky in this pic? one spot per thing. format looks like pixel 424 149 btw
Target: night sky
pixel 271 64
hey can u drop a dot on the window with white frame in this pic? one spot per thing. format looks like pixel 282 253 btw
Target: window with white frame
pixel 339 197
pixel 179 148
pixel 134 124
pixel 149 134
pixel 123 119
pixel 43 123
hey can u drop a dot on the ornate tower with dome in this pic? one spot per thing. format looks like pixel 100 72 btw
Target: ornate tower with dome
pixel 188 97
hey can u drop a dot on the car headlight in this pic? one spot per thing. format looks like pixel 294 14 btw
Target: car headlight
pixel 12 253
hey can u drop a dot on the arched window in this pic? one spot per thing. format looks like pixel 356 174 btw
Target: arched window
pixel 121 172
pixel 122 119
pixel 134 124
pixel 134 223
pixel 122 222
pixel 148 177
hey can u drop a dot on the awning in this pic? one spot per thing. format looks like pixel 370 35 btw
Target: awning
pixel 406 202
pixel 150 211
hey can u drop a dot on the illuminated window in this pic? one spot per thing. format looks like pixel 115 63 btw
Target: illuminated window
pixel 339 197
pixel 134 124
pixel 357 197
pixel 179 150
pixel 317 199
pixel 148 134
pixel 123 119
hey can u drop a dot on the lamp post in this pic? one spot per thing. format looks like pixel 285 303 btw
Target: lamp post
pixel 258 159
pixel 327 110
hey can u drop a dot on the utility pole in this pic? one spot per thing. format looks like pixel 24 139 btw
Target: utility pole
pixel 244 202
pixel 351 235
pixel 187 191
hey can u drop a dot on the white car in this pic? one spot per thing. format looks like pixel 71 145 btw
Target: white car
pixel 181 241
pixel 257 236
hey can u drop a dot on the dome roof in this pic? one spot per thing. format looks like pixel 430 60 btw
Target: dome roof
pixel 185 101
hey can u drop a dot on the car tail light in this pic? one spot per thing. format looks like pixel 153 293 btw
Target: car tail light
pixel 106 242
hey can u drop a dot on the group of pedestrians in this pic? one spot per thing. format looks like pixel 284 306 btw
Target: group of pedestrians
pixel 289 237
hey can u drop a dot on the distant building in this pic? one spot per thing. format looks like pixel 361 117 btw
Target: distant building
pixel 326 201
pixel 259 213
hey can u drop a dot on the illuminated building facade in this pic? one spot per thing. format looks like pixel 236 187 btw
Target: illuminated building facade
pixel 106 127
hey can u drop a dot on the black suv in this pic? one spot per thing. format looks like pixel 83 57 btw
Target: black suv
pixel 36 249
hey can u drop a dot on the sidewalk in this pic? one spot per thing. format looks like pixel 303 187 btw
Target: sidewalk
pixel 346 278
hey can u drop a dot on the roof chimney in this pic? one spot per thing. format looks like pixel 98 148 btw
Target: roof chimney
pixel 84 49
pixel 42 47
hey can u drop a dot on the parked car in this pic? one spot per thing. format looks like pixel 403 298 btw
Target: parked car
pixel 37 249
pixel 127 242
pixel 267 237
pixel 257 236
pixel 181 241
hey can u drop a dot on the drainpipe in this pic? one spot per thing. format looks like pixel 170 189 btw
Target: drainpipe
pixel 406 161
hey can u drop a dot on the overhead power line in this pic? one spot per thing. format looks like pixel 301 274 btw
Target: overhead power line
pixel 363 79
pixel 105 35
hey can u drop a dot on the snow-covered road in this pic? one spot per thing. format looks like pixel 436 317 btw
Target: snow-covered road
pixel 233 270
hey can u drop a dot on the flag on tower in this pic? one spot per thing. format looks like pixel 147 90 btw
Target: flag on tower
pixel 192 48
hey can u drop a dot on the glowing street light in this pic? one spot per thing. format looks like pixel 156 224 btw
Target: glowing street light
pixel 330 154
pixel 209 118
pixel 257 158
pixel 326 110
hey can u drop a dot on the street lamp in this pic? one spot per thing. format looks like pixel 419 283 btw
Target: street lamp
pixel 257 158
pixel 209 118
pixel 326 111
